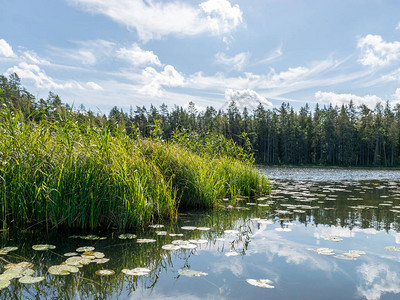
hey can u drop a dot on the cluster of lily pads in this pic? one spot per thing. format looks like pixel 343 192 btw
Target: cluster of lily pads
pixel 349 255
pixel 22 271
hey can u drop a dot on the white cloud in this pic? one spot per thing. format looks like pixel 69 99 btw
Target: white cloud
pixel 398 26
pixel 271 57
pixel 39 77
pixel 31 57
pixel 378 278
pixel 376 52
pixel 339 99
pixel 155 81
pixel 156 19
pixel 88 53
pixel 138 57
pixel 5 49
pixel 396 97
pixel 237 62
pixel 222 16
pixel 246 97
pixel 94 86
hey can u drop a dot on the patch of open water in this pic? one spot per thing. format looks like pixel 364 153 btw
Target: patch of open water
pixel 309 239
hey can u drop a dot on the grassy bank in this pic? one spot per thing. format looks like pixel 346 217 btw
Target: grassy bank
pixel 59 172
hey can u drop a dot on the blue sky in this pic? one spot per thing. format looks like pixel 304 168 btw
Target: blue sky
pixel 102 53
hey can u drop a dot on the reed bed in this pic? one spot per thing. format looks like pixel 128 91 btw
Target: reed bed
pixel 62 173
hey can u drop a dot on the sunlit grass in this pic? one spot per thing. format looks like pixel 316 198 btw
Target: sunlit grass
pixel 62 173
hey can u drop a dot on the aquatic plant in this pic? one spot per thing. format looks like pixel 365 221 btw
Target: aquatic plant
pixel 62 172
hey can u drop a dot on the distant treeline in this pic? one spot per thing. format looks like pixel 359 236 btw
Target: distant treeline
pixel 348 135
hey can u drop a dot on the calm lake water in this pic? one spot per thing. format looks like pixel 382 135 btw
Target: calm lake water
pixel 299 238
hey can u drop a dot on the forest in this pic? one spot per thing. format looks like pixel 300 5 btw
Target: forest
pixel 348 135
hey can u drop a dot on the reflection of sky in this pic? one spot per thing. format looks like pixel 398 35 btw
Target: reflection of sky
pixel 378 278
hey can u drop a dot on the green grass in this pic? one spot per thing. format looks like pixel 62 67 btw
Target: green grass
pixel 60 173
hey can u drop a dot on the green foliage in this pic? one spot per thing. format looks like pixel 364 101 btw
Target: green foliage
pixel 61 172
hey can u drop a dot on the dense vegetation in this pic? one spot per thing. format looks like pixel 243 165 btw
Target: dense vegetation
pixel 344 136
pixel 60 167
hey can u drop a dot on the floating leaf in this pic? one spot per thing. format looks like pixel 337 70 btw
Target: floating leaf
pixel 4 283
pixel 203 228
pixel 70 254
pixel 62 270
pixel 192 273
pixel 176 234
pixel 136 271
pixel 189 228
pixel 85 249
pixel 170 247
pixel 283 229
pixel 161 232
pixel 125 236
pixel 332 238
pixel 156 226
pixel 198 241
pixel 5 250
pixel 105 272
pixel 101 260
pixel 30 279
pixel 392 248
pixel 144 241
pixel 264 283
pixel 43 247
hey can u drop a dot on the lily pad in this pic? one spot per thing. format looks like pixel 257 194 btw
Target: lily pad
pixel 85 249
pixel 231 232
pixel 101 260
pixel 30 279
pixel 161 232
pixel 136 271
pixel 176 234
pixel 105 272
pixel 62 270
pixel 156 226
pixel 192 273
pixel 264 283
pixel 188 228
pixel 128 236
pixel 144 241
pixel 198 241
pixel 43 247
pixel 203 228
pixel 171 247
pixel 5 250
pixel 69 254
pixel 4 283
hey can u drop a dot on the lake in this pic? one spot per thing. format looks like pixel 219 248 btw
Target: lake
pixel 323 233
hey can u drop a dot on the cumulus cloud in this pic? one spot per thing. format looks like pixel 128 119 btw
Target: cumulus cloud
pixel 339 99
pixel 156 19
pixel 5 49
pixel 376 52
pixel 236 62
pixel 138 57
pixel 155 81
pixel 246 97
pixel 40 78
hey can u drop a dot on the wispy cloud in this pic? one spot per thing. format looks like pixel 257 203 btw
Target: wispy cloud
pixel 237 62
pixel 377 52
pixel 271 57
pixel 87 53
pixel 156 19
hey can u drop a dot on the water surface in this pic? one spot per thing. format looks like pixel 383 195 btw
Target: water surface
pixel 278 237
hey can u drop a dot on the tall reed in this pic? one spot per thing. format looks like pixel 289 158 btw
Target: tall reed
pixel 58 172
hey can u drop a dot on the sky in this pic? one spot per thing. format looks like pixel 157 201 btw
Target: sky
pixel 128 53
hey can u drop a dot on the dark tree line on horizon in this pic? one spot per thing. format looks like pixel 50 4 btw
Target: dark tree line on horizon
pixel 348 135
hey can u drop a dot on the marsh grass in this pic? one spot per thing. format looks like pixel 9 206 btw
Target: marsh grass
pixel 59 172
